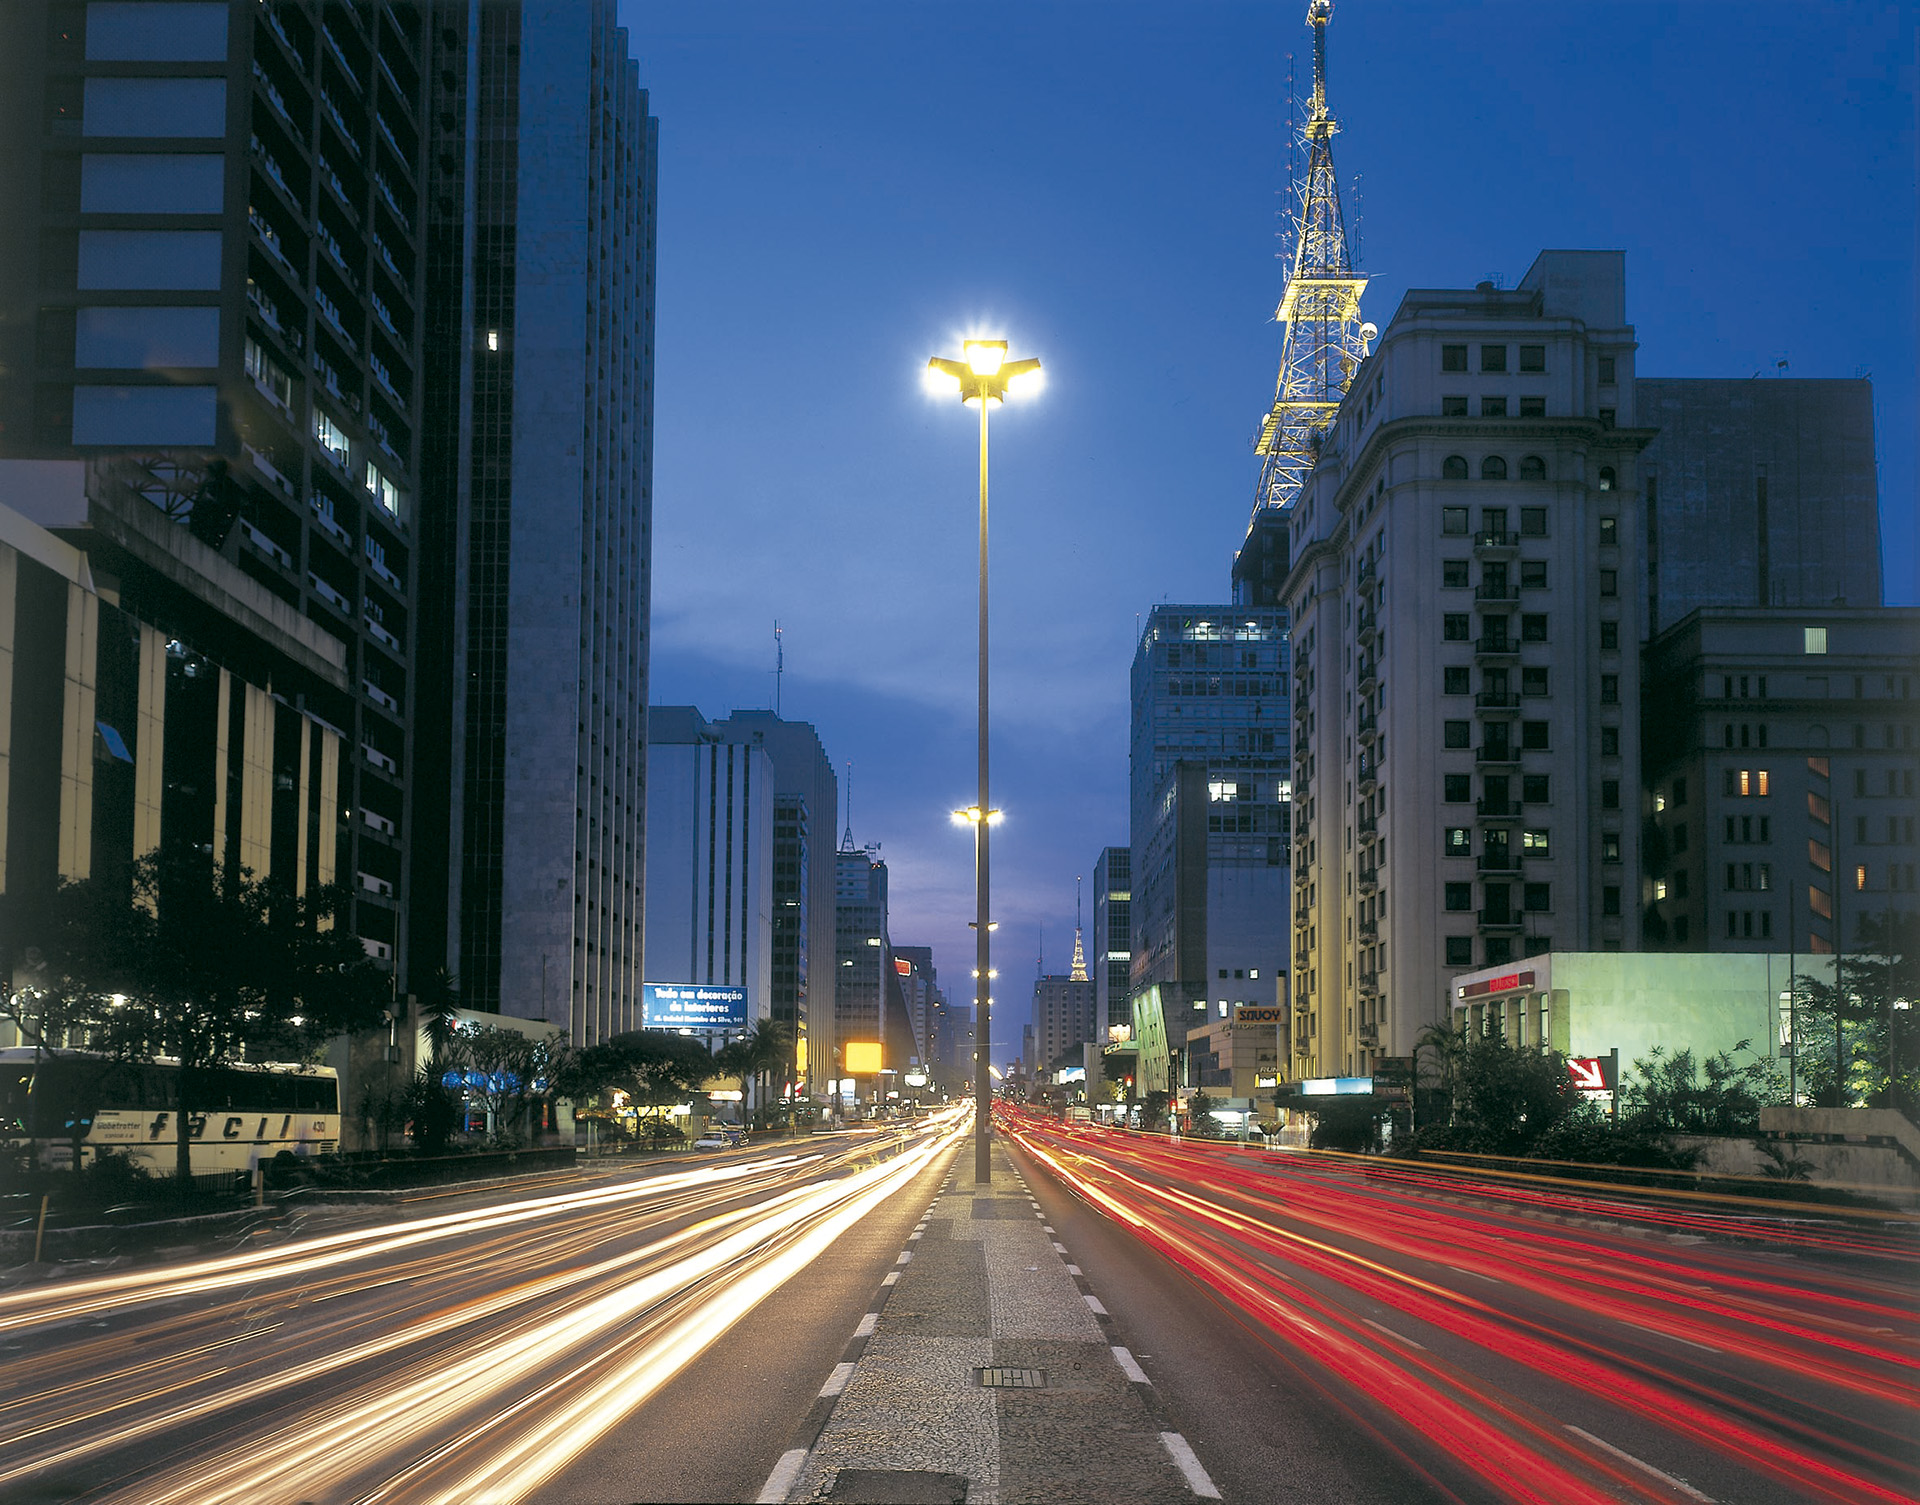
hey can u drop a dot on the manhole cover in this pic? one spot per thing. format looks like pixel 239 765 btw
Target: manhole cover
pixel 1012 1379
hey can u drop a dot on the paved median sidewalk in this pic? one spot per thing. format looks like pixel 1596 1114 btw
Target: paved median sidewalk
pixel 984 1374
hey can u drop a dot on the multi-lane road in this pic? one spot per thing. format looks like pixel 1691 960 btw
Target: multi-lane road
pixel 1317 1328
pixel 1324 1329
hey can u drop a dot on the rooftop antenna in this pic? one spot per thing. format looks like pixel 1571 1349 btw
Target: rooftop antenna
pixel 1040 961
pixel 1079 972
pixel 846 842
pixel 779 664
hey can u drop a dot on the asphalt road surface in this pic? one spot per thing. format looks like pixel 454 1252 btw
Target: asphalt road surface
pixel 624 1337
pixel 1324 1331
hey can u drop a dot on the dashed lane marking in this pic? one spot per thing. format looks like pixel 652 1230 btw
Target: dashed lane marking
pixel 1130 1365
pixel 1189 1466
pixel 1640 1463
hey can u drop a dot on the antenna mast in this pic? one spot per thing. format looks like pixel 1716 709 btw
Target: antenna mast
pixel 1079 971
pixel 1324 341
pixel 779 664
pixel 846 842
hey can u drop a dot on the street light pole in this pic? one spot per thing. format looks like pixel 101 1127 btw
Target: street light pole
pixel 982 378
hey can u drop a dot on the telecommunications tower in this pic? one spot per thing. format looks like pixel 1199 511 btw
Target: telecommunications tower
pixel 1325 340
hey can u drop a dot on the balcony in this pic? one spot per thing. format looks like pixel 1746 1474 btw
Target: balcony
pixel 1368 984
pixel 1364 575
pixel 1367 827
pixel 1367 879
pixel 332 525
pixel 1368 626
pixel 379 760
pixel 378 632
pixel 1369 676
pixel 375 885
pixel 1504 590
pixel 268 469
pixel 1497 702
pixel 1368 727
pixel 261 544
pixel 1368 772
pixel 378 823
pixel 1492 810
pixel 380 697
pixel 328 594
pixel 1508 921
pixel 1501 649
pixel 1369 1035
pixel 1497 864
pixel 1368 931
pixel 1495 544
pixel 1497 757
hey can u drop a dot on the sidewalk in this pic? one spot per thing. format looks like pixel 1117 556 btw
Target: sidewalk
pixel 984 1374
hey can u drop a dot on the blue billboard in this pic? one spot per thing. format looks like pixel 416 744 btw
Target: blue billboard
pixel 692 1005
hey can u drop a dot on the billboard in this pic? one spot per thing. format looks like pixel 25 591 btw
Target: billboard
pixel 1259 1016
pixel 861 1057
pixel 692 1005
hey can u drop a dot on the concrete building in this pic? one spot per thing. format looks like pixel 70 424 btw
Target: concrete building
pixel 1063 1019
pixel 1113 939
pixel 806 797
pixel 709 858
pixel 921 997
pixel 536 519
pixel 212 276
pixel 1757 493
pixel 1209 815
pixel 1779 789
pixel 1464 620
pixel 153 697
pixel 861 948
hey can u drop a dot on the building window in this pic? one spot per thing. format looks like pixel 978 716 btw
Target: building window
pixel 1609 532
pixel 1456 681
pixel 1459 842
pixel 1533 407
pixel 1453 407
pixel 1538 897
pixel 1533 627
pixel 1610 899
pixel 1533 468
pixel 1533 736
pixel 1493 357
pixel 1610 846
pixel 1459 788
pixel 1816 639
pixel 1610 741
pixel 1533 679
pixel 1609 794
pixel 1609 634
pixel 1608 481
pixel 1459 951
pixel 1533 520
pixel 1454 519
pixel 1609 689
pixel 1457 734
pixel 1453 574
pixel 1493 468
pixel 1453 357
pixel 1535 842
pixel 1606 418
pixel 1536 788
pixel 1493 407
pixel 1459 896
pixel 1609 582
pixel 1606 370
pixel 1533 574
pixel 1456 627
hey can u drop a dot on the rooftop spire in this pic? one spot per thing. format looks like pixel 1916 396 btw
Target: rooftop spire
pixel 1325 340
pixel 1079 951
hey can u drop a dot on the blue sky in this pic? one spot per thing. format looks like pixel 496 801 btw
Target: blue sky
pixel 847 188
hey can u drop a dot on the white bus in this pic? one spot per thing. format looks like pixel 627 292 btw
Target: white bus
pixel 63 1102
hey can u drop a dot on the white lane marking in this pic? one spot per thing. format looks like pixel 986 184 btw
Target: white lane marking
pixel 783 1477
pixel 1130 1365
pixel 1625 1457
pixel 1381 1327
pixel 1672 1337
pixel 865 1329
pixel 906 1257
pixel 837 1381
pixel 1094 1302
pixel 1189 1466
pixel 892 1277
pixel 1489 1279
pixel 1074 1270
pixel 1059 1248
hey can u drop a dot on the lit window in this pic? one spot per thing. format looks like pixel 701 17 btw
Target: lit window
pixel 493 339
pixel 1816 640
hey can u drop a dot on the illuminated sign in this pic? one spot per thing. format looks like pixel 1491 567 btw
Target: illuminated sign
pixel 690 1005
pixel 861 1057
pixel 1259 1016
pixel 1593 1073
pixel 903 966
pixel 1512 982
pixel 1336 1086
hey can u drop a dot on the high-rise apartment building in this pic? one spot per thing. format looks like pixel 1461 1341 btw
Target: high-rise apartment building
pixel 1466 677
pixel 1757 493
pixel 1063 1018
pixel 1209 816
pixel 536 519
pixel 211 284
pixel 861 947
pixel 1112 938
pixel 1780 758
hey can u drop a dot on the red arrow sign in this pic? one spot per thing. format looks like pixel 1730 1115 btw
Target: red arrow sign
pixel 1589 1073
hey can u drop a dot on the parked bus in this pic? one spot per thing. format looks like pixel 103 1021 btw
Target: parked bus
pixel 68 1102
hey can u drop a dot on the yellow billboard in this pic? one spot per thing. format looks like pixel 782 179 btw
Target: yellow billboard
pixel 861 1057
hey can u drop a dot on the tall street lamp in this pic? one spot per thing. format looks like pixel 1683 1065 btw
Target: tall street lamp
pixel 982 378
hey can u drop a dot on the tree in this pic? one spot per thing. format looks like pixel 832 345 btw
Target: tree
pixel 1858 1041
pixel 212 967
pixel 1669 1094
pixel 1153 1109
pixel 1346 1123
pixel 1506 1098
pixel 508 1071
pixel 1433 1096
pixel 654 1069
pixel 1200 1120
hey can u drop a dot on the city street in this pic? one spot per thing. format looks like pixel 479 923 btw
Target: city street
pixel 1381 1335
pixel 579 1344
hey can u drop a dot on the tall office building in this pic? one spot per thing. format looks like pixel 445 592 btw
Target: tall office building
pixel 709 858
pixel 1780 766
pixel 1757 493
pixel 1209 815
pixel 1465 621
pixel 806 797
pixel 211 278
pixel 921 995
pixel 1063 1018
pixel 536 522
pixel 861 947
pixel 1113 939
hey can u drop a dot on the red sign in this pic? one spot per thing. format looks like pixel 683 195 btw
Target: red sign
pixel 903 966
pixel 1508 984
pixel 1589 1073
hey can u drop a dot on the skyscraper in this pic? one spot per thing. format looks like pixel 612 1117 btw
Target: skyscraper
pixel 860 947
pixel 1112 938
pixel 537 523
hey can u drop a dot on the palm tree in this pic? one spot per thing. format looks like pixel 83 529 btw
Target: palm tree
pixel 1447 1044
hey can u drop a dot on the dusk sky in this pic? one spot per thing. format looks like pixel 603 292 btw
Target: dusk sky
pixel 848 188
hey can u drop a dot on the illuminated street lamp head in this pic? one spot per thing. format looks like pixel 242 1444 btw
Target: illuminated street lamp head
pixel 971 816
pixel 983 374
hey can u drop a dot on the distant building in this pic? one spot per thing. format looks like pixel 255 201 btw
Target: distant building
pixel 1112 960
pixel 1465 622
pixel 921 996
pixel 1064 1016
pixel 1757 493
pixel 1780 758
pixel 1209 814
pixel 709 859
pixel 861 947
